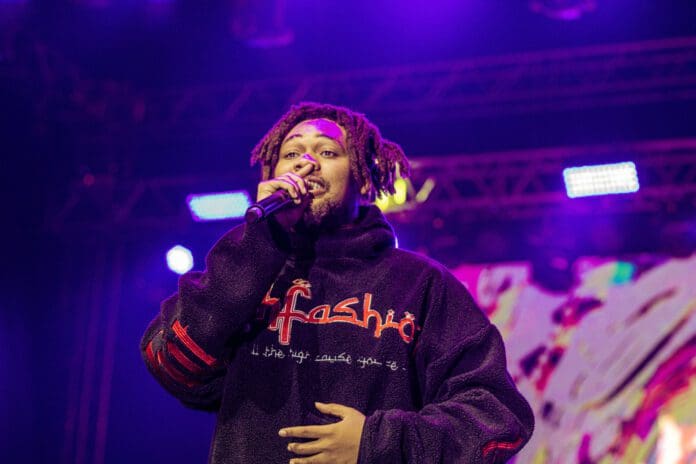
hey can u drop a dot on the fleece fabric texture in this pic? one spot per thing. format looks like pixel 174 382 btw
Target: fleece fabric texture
pixel 276 323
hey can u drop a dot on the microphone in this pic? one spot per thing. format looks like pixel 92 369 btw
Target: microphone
pixel 266 207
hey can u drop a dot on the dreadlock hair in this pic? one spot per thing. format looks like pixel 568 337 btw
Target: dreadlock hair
pixel 374 161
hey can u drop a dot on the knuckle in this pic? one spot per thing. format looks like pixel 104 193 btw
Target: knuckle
pixel 287 185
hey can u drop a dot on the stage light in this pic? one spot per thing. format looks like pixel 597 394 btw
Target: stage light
pixel 425 190
pixel 217 206
pixel 602 179
pixel 382 202
pixel 400 188
pixel 179 259
pixel 397 200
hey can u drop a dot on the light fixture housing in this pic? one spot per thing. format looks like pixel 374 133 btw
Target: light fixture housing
pixel 218 206
pixel 601 179
pixel 179 259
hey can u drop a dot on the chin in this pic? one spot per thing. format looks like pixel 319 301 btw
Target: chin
pixel 324 214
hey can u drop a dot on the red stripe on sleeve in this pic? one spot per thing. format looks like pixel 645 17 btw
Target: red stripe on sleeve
pixel 180 332
pixel 175 374
pixel 183 359
pixel 496 445
pixel 150 355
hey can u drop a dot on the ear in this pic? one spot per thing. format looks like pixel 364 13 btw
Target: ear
pixel 365 189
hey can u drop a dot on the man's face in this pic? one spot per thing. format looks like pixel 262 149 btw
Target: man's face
pixel 321 142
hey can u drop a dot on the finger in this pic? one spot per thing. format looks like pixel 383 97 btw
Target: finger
pixel 311 447
pixel 299 181
pixel 306 169
pixel 279 183
pixel 306 431
pixel 333 409
pixel 316 459
pixel 289 181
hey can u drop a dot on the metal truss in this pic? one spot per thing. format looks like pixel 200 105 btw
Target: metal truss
pixel 529 184
pixel 105 204
pixel 471 188
pixel 551 80
pixel 555 80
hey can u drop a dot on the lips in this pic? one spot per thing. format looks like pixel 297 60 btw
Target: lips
pixel 316 185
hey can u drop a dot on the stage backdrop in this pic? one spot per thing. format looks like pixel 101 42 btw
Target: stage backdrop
pixel 609 366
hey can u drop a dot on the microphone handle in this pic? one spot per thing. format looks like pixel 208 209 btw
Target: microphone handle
pixel 266 207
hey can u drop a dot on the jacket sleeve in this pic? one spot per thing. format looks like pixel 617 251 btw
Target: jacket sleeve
pixel 186 344
pixel 472 411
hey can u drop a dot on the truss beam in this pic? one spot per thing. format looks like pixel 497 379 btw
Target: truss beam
pixel 473 188
pixel 544 81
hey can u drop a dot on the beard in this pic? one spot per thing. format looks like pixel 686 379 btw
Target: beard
pixel 320 214
pixel 326 214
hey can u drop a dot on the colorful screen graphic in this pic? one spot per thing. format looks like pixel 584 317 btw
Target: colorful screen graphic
pixel 610 366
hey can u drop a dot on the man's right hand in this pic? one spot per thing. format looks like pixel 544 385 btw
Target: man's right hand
pixel 294 184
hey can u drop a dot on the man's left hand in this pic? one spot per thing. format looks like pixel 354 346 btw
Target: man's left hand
pixel 335 443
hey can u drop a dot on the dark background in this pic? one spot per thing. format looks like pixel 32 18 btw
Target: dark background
pixel 79 291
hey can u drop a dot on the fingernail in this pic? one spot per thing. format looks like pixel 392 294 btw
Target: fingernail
pixel 282 433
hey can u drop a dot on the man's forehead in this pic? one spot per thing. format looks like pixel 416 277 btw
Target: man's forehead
pixel 322 127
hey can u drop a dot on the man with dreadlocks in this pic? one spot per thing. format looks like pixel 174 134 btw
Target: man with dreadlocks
pixel 315 340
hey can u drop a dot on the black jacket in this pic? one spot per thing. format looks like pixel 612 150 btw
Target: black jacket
pixel 348 319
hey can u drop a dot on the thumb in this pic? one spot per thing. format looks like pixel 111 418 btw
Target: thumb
pixel 332 409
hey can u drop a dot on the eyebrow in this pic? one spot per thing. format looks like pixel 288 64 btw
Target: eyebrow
pixel 320 135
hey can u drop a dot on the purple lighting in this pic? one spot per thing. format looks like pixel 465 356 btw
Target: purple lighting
pixel 602 179
pixel 564 10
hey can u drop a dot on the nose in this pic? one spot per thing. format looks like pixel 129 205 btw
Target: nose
pixel 304 159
